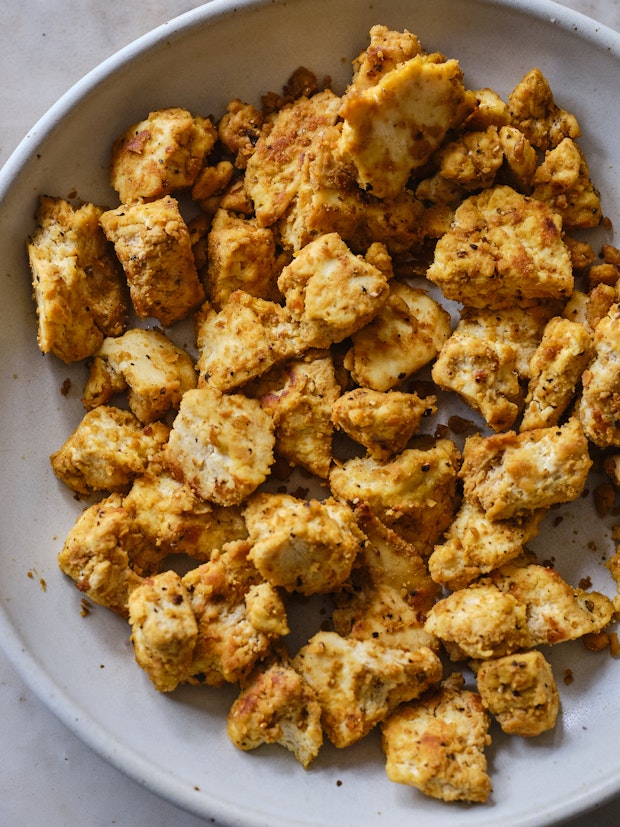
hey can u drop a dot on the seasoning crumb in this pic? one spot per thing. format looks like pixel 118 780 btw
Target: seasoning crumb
pixel 568 677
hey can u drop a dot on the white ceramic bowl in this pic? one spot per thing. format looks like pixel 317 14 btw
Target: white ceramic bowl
pixel 83 667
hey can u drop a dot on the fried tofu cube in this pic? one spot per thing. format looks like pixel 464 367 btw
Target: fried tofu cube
pixel 534 111
pixel 331 292
pixel 556 367
pixel 509 474
pixel 99 554
pixel 414 494
pixel 78 287
pixel 155 370
pixel 153 244
pixel 437 743
pixel 107 451
pixel 239 616
pixel 305 546
pixel 520 692
pixel 239 129
pixel 407 333
pixel 243 340
pixel 221 445
pixel 385 51
pixel 394 126
pixel 504 249
pixel 490 110
pixel 598 408
pixel 161 154
pixel 240 256
pixel 359 682
pixel 277 706
pixel 520 158
pixel 383 422
pixel 163 629
pixel 473 159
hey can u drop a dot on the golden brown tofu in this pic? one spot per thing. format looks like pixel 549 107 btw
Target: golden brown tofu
pixel 437 743
pixel 504 249
pixel 520 692
pixel 359 682
pixel 99 554
pixel 161 154
pixel 534 111
pixel 163 629
pixel 472 160
pixel 520 159
pixel 305 546
pixel 556 367
pixel 277 706
pixel 407 333
pixel 490 110
pixel 156 372
pixel 509 474
pixel 221 445
pixel 238 615
pixel 153 244
pixel 107 451
pixel 393 127
pixel 239 130
pixel 414 494
pixel 385 51
pixel 78 287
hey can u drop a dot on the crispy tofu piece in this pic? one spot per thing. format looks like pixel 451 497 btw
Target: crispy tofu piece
pixel 563 181
pixel 406 334
pixel 598 408
pixel 277 706
pixel 390 591
pixel 518 606
pixel 534 111
pixel 175 520
pixel 243 340
pixel 239 129
pixel 161 154
pixel 239 616
pixel 240 256
pixel 107 451
pixel 509 474
pixel 273 170
pixel 385 51
pixel 78 288
pixel 100 553
pixel 331 292
pixel 359 682
pixel 394 126
pixel 504 249
pixel 473 159
pixel 305 546
pixel 153 244
pixel 163 629
pixel 156 372
pixel 556 367
pixel 437 743
pixel 520 692
pixel 383 422
pixel 414 494
pixel 221 445
pixel 299 396
pixel 490 110
pixel 474 545
pixel 520 158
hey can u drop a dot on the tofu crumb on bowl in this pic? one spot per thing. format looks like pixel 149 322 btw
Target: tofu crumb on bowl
pixel 310 412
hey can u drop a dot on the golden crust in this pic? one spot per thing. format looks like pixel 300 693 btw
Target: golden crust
pixel 534 111
pixel 599 404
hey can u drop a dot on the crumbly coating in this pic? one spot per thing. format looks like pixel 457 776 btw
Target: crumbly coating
pixel 437 743
pixel 504 249
pixel 393 126
pixel 564 352
pixel 107 451
pixel 383 422
pixel 520 692
pixel 239 616
pixel 161 154
pixel 277 706
pixel 385 51
pixel 534 111
pixel 152 242
pixel 78 288
pixel 221 445
pixel 510 474
pixel 163 629
pixel 520 158
pixel 490 110
pixel 155 370
pixel 239 129
pixel 359 682
pixel 407 334
pixel 305 546
pixel 99 554
pixel 473 159
pixel 414 494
